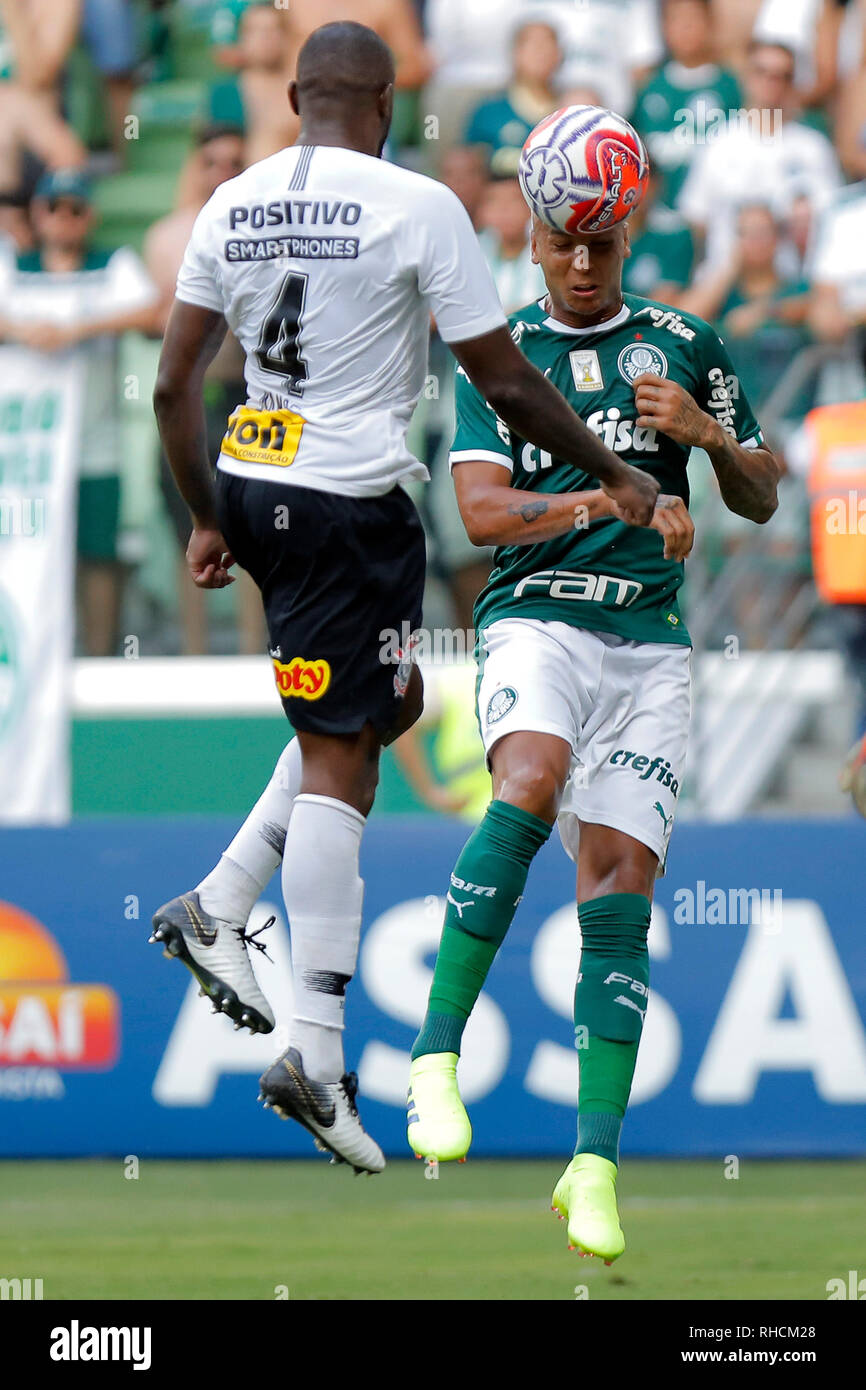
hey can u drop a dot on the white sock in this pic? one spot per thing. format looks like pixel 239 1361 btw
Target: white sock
pixel 231 890
pixel 323 892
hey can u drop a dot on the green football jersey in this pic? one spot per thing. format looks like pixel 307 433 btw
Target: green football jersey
pixel 608 575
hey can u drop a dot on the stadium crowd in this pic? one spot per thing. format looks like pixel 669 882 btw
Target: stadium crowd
pixel 118 118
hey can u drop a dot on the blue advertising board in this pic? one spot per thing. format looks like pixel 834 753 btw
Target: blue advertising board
pixel 754 1041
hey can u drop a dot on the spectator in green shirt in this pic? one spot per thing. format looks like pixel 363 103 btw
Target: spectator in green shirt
pixel 761 314
pixel 680 104
pixel 759 311
pixel 502 123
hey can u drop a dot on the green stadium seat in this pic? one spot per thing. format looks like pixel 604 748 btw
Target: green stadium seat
pixel 130 203
pixel 84 100
pixel 166 113
pixel 162 152
pixel 168 104
pixel 191 47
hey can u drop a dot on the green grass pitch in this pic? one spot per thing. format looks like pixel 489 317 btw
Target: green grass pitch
pixel 482 1230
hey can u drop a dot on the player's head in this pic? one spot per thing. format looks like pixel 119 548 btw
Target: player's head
pixel 583 272
pixel 62 210
pixel 345 81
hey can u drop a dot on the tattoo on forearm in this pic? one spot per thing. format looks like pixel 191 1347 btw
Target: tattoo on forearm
pixel 748 493
pixel 530 511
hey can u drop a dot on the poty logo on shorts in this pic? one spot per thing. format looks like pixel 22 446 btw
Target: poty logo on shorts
pixel 306 679
pixel 500 703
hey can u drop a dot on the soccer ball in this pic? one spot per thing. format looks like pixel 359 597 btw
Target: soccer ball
pixel 583 169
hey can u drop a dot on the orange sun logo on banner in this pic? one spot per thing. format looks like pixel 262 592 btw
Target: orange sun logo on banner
pixel 46 1020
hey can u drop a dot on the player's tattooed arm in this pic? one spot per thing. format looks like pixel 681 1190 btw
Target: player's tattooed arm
pixel 495 513
pixel 747 478
pixel 530 511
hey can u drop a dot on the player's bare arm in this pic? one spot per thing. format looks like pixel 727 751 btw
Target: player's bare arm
pixel 531 406
pixel 192 340
pixel 495 513
pixel 747 478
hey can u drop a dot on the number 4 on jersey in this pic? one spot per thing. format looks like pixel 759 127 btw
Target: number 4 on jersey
pixel 277 349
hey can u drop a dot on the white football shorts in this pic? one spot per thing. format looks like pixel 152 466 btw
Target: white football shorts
pixel 623 706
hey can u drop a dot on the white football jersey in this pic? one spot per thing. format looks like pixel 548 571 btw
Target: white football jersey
pixel 327 265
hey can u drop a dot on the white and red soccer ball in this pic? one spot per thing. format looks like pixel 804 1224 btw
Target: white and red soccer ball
pixel 583 169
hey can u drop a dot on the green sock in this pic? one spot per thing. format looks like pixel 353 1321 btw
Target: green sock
pixel 609 1005
pixel 486 886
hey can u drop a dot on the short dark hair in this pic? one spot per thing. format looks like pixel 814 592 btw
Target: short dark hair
pixel 342 60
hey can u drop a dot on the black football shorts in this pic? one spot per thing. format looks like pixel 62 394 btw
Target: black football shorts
pixel 341 579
